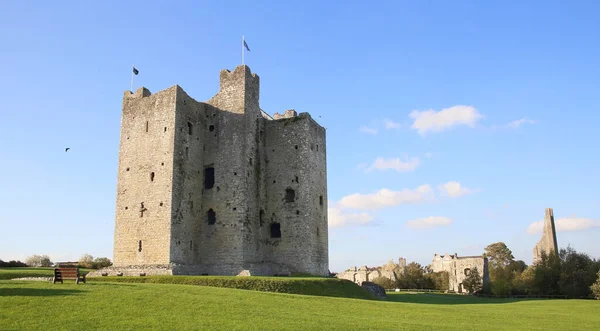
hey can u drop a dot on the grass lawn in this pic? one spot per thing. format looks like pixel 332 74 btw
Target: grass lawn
pixel 28 305
pixel 10 273
pixel 331 287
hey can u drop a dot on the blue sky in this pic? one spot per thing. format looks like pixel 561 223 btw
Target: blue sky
pixel 498 101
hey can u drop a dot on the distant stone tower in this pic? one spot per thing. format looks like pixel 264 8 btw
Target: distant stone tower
pixel 219 187
pixel 402 262
pixel 548 242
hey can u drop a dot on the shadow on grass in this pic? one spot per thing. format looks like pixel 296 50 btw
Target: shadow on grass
pixel 36 292
pixel 448 299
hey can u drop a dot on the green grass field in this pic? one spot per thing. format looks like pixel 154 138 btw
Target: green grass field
pixel 30 305
pixel 10 273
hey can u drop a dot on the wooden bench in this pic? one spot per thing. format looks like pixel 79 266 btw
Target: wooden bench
pixel 68 273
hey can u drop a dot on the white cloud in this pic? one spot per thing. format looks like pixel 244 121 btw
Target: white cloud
pixel 429 222
pixel 454 189
pixel 428 155
pixel 389 124
pixel 337 218
pixel 368 130
pixel 565 224
pixel 437 121
pixel 387 198
pixel 394 164
pixel 517 123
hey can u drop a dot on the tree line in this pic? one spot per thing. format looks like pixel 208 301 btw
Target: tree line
pixel 566 272
pixel 85 261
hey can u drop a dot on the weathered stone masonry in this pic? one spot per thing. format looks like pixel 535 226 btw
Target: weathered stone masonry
pixel 219 187
pixel 547 243
pixel 459 268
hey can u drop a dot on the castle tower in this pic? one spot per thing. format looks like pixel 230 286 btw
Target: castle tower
pixel 219 187
pixel 548 242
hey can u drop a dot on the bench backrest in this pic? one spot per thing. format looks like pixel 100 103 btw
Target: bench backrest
pixel 66 272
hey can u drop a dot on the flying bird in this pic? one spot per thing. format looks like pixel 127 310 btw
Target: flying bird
pixel 67 149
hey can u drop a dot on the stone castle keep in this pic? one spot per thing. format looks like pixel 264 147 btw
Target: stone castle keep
pixel 219 187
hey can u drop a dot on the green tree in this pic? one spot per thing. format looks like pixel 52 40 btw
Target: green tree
pixel 86 261
pixel 517 266
pixel 413 276
pixel 595 288
pixel 440 280
pixel 502 268
pixel 39 261
pixel 577 273
pixel 501 287
pixel 499 256
pixel 101 262
pixel 472 282
pixel 384 282
pixel 523 282
pixel 546 275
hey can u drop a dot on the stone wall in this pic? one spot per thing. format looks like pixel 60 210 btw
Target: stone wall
pixel 144 184
pixel 170 146
pixel 390 271
pixel 459 268
pixel 547 243
pixel 296 193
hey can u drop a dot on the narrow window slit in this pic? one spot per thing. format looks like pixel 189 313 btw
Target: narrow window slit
pixel 275 230
pixel 211 217
pixel 290 195
pixel 209 177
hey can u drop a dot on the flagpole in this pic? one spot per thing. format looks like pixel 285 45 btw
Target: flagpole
pixel 242 49
pixel 131 88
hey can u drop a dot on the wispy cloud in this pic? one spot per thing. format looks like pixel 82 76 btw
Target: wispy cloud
pixel 454 189
pixel 429 222
pixel 518 123
pixel 437 121
pixel 368 130
pixel 566 224
pixel 337 218
pixel 387 198
pixel 395 164
pixel 389 124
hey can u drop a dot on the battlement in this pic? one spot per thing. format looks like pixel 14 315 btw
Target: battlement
pixel 241 73
pixel 141 92
pixel 287 114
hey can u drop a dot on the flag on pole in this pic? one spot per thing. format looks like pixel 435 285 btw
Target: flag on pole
pixel 246 45
pixel 135 71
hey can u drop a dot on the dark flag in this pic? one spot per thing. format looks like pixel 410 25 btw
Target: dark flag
pixel 135 71
pixel 246 45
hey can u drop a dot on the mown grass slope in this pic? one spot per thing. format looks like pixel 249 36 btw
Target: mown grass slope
pixel 127 306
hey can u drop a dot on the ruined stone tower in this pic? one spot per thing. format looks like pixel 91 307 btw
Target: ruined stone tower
pixel 219 187
pixel 548 242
